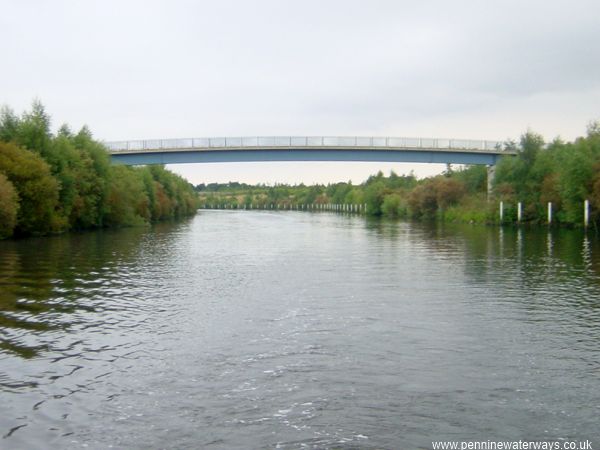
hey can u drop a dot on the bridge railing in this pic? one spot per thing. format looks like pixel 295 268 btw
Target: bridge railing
pixel 252 142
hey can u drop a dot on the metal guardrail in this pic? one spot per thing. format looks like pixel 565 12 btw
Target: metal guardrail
pixel 278 142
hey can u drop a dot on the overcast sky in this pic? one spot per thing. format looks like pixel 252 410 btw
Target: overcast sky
pixel 168 69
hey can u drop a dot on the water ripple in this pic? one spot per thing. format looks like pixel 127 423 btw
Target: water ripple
pixel 272 330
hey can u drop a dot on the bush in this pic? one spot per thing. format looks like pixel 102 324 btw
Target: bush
pixel 9 207
pixel 37 190
pixel 393 206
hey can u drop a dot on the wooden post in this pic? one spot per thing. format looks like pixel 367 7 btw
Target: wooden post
pixel 549 213
pixel 519 212
pixel 586 213
pixel 501 211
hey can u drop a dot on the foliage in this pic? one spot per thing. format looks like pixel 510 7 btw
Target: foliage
pixel 393 206
pixel 9 207
pixel 561 173
pixel 375 193
pixel 66 181
pixel 37 189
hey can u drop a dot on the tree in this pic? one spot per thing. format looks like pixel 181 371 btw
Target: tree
pixel 575 179
pixel 593 128
pixel 435 194
pixel 33 132
pixel 127 202
pixel 474 178
pixel 67 182
pixel 391 205
pixel 9 207
pixel 37 189
pixel 374 195
pixel 9 124
pixel 531 144
pixel 422 201
pixel 448 191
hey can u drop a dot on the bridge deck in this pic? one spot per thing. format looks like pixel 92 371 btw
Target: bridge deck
pixel 318 148
pixel 305 143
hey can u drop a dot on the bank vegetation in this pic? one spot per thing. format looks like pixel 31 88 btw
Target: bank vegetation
pixel 563 173
pixel 52 183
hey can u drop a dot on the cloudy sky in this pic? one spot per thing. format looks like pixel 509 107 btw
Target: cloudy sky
pixel 174 68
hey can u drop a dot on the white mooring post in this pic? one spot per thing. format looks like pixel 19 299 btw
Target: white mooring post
pixel 519 212
pixel 586 213
pixel 501 211
pixel 549 213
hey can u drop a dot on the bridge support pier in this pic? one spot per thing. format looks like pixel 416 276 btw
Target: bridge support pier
pixel 491 173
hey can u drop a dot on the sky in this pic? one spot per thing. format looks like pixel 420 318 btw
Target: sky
pixel 175 68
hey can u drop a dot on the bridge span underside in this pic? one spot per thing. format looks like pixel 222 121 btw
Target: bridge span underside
pixel 286 154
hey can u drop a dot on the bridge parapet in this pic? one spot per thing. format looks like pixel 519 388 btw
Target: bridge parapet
pixel 306 142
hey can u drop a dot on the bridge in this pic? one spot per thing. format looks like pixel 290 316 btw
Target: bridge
pixel 294 148
pixel 308 148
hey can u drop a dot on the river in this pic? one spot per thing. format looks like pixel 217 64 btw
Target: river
pixel 255 329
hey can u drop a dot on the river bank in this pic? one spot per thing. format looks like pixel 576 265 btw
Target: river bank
pixel 555 183
pixel 53 183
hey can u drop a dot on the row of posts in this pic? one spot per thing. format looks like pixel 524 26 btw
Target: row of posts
pixel 339 207
pixel 586 212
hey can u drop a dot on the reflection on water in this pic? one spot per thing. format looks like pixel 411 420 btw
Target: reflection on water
pixel 257 330
pixel 52 285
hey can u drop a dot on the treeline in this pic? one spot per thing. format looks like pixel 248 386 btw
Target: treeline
pixel 563 173
pixel 220 187
pixel 51 183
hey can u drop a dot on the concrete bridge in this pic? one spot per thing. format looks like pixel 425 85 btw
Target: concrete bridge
pixel 308 148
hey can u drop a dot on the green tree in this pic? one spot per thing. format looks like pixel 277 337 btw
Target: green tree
pixel 375 193
pixel 33 132
pixel 127 201
pixel 37 189
pixel 9 207
pixel 9 124
pixel 474 178
pixel 422 201
pixel 575 179
pixel 391 205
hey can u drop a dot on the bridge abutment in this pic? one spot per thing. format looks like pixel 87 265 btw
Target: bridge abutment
pixel 491 173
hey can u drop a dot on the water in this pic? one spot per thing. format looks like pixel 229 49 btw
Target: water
pixel 241 330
